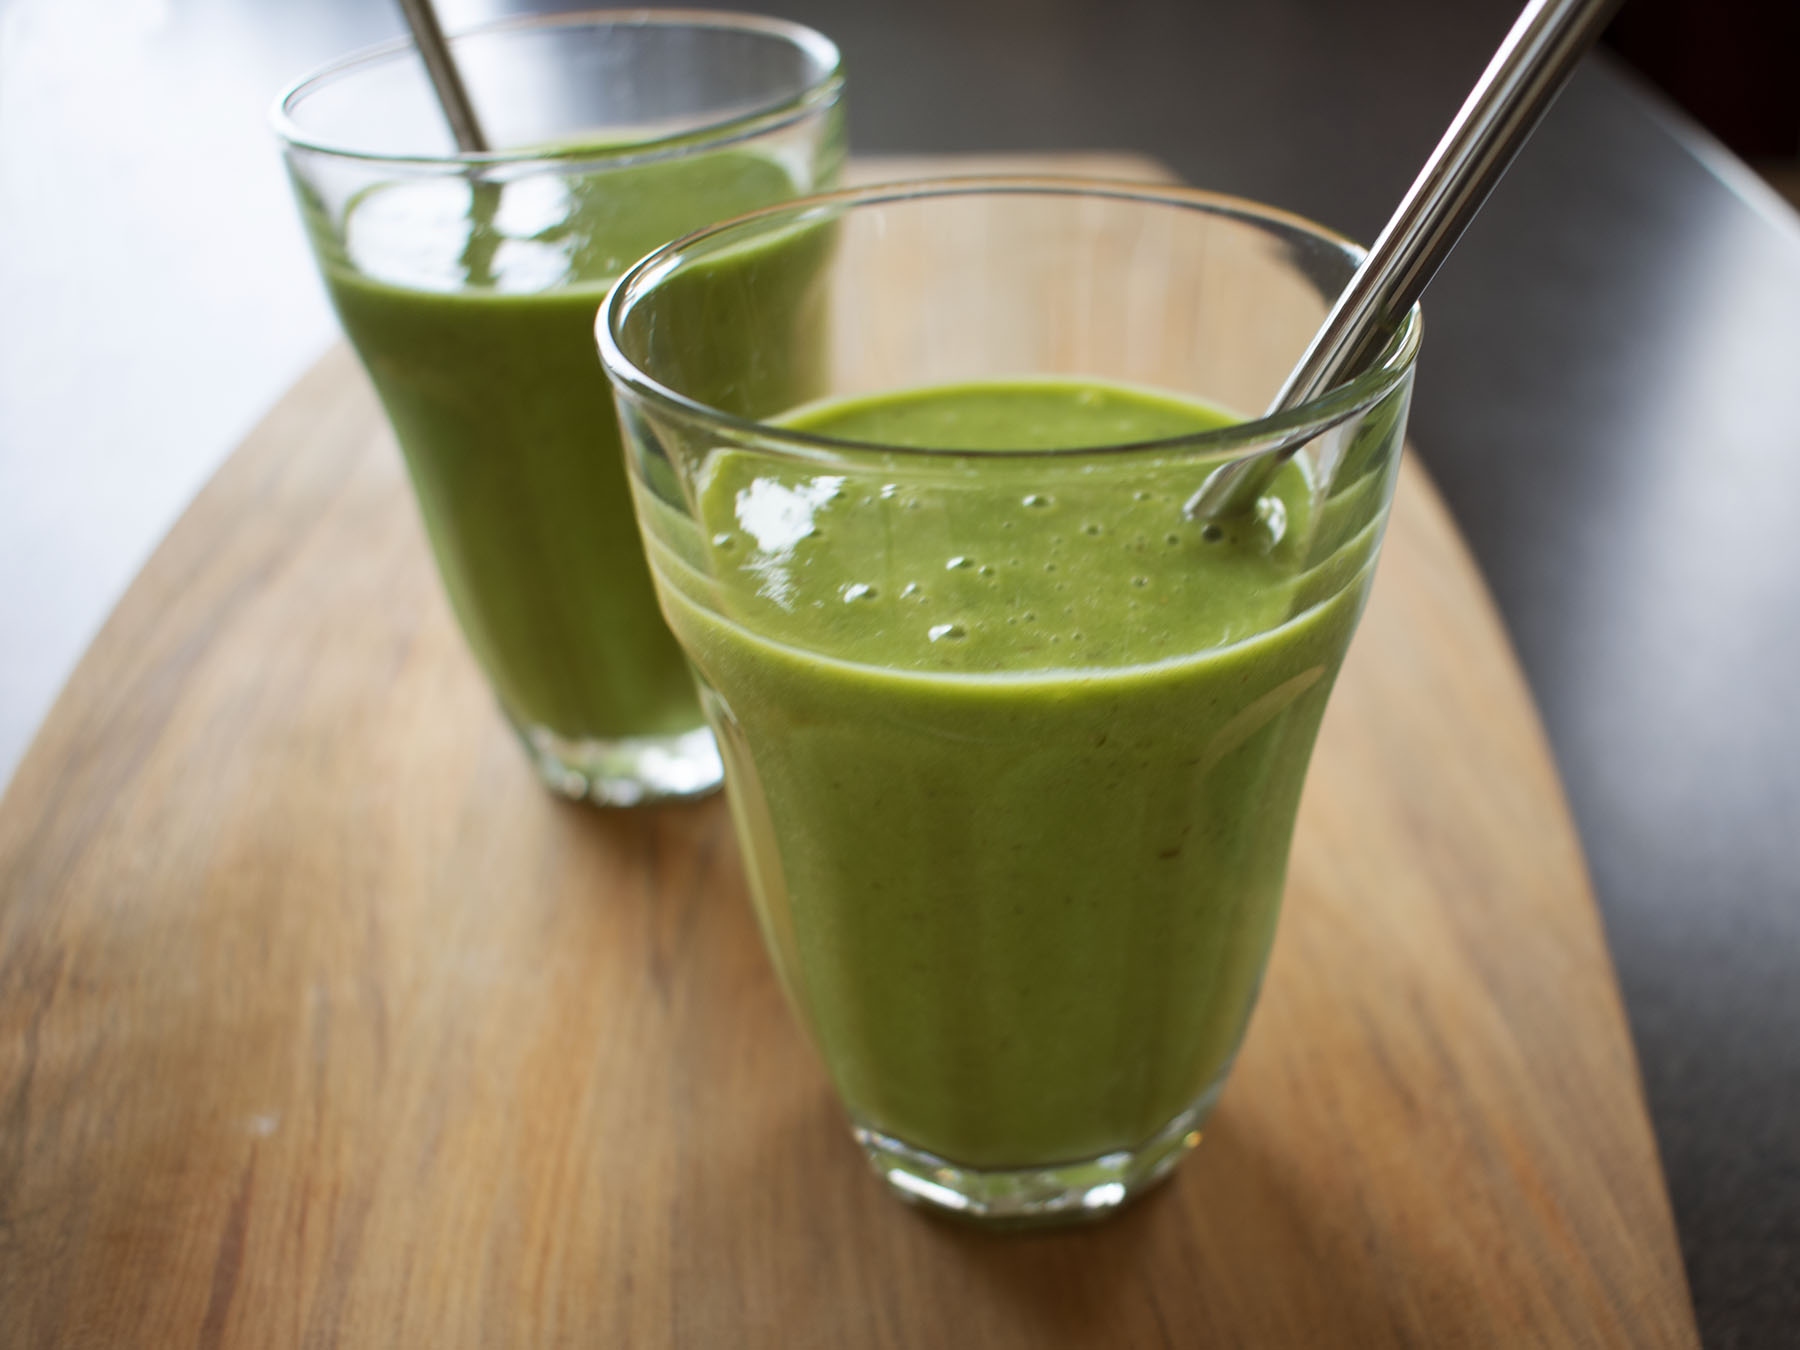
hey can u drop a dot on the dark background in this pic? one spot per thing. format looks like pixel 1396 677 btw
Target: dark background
pixel 1733 65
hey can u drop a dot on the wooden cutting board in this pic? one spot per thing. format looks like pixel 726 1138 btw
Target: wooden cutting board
pixel 322 1024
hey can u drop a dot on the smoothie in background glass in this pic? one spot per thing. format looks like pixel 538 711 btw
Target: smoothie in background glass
pixel 468 286
pixel 1013 749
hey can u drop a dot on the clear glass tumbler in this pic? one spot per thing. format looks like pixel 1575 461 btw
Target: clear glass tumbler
pixel 1013 747
pixel 468 284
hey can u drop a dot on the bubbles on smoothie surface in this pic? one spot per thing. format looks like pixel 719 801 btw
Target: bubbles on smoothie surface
pixel 1008 564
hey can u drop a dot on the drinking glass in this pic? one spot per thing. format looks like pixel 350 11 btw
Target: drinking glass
pixel 1013 747
pixel 468 285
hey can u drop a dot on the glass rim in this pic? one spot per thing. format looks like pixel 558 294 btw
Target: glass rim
pixel 1294 426
pixel 757 120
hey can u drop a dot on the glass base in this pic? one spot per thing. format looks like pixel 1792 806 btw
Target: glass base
pixel 632 771
pixel 1072 1192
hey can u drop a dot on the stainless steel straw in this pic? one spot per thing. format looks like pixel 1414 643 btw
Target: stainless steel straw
pixel 452 95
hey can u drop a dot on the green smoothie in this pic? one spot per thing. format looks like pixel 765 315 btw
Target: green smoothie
pixel 472 305
pixel 1015 751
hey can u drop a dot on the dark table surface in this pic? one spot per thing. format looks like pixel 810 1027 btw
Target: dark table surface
pixel 1609 398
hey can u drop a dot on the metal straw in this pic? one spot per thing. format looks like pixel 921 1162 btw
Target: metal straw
pixel 453 97
pixel 1527 72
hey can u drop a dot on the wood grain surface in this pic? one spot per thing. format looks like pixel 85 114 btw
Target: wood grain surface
pixel 322 1024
